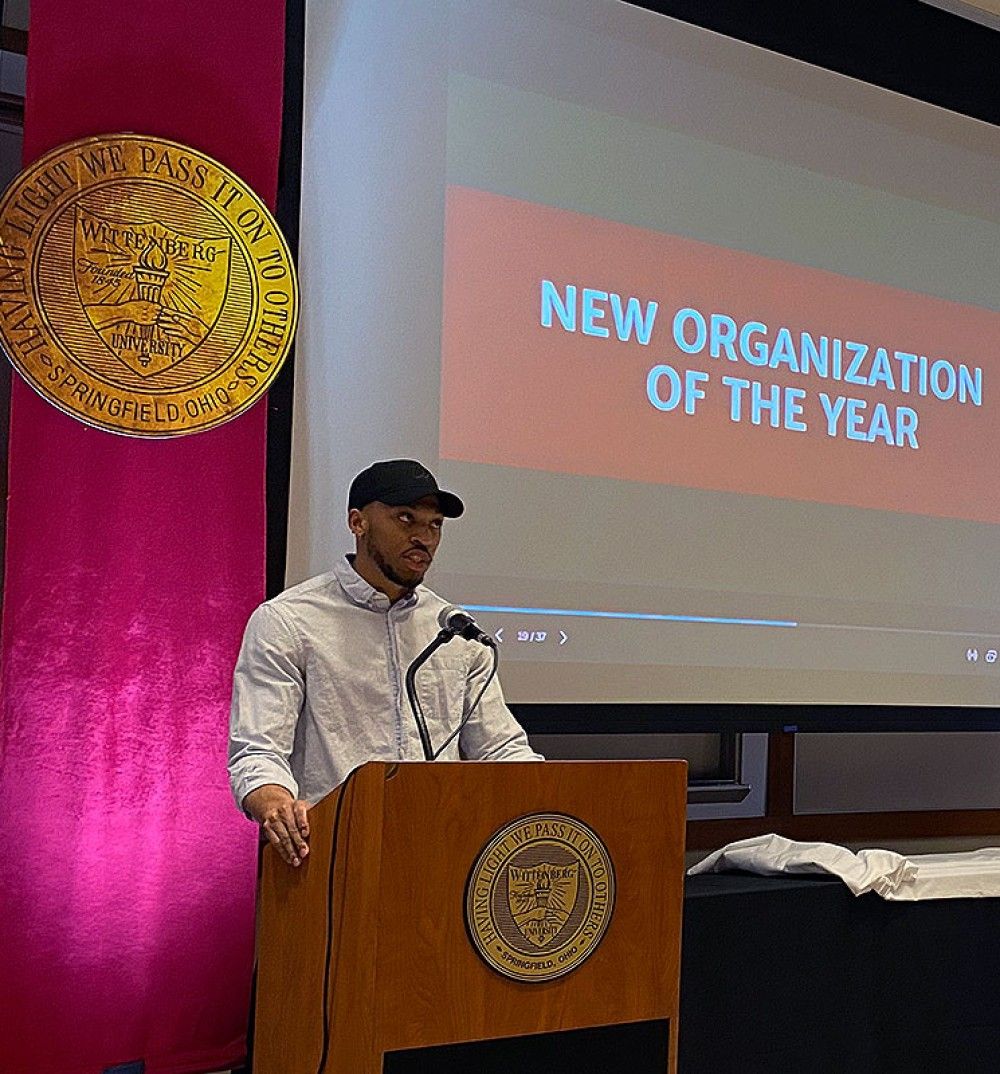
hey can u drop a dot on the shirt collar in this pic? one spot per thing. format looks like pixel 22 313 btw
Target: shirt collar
pixel 360 592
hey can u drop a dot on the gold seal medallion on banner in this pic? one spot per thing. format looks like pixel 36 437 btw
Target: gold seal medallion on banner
pixel 540 896
pixel 144 288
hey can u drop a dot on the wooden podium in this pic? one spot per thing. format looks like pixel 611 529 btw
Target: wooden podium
pixel 361 963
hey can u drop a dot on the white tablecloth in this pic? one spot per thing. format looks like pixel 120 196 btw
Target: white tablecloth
pixel 971 874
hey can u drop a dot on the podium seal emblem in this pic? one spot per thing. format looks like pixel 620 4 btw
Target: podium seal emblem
pixel 540 897
pixel 144 288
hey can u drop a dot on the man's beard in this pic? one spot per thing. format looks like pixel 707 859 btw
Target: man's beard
pixel 389 571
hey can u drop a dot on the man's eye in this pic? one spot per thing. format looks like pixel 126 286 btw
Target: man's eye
pixel 437 523
pixel 405 516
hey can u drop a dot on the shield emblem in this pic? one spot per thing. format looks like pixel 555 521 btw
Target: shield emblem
pixel 151 293
pixel 541 898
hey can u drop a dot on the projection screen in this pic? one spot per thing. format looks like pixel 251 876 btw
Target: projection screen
pixel 707 339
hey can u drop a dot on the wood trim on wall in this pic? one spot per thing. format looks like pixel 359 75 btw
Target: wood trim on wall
pixel 871 828
pixel 14 40
pixel 11 110
pixel 780 774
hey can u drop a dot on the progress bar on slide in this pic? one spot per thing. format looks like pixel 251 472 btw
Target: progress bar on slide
pixel 586 613
pixel 589 613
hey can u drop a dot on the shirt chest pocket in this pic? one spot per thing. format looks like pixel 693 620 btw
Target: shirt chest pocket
pixel 441 690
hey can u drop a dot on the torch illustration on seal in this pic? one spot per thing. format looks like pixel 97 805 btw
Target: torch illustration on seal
pixel 151 274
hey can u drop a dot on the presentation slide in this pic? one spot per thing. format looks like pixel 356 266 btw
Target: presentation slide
pixel 706 338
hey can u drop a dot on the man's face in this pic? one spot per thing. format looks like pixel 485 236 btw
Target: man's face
pixel 399 541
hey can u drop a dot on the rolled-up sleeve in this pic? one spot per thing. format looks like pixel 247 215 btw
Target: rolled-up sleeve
pixel 268 691
pixel 492 733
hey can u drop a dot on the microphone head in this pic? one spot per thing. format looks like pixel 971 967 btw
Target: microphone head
pixel 456 621
pixel 453 618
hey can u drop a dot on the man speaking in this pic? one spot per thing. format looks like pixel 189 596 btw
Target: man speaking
pixel 319 685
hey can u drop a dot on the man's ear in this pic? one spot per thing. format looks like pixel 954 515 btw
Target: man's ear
pixel 356 521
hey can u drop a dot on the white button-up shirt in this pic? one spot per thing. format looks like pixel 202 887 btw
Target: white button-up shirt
pixel 319 688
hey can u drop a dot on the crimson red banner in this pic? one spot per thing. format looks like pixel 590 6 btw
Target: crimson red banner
pixel 131 568
pixel 579 345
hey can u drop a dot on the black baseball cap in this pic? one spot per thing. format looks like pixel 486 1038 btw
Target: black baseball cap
pixel 400 481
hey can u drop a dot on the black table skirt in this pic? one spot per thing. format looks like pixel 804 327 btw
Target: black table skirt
pixel 797 974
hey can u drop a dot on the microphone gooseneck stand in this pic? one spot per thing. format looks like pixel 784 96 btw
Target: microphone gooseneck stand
pixel 442 638
pixel 472 708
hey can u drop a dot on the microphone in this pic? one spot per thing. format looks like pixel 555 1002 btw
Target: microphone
pixel 456 622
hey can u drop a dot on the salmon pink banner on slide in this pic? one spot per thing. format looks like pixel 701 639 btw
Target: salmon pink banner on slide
pixel 578 345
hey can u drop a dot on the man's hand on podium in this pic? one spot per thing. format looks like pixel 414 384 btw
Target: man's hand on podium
pixel 282 819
